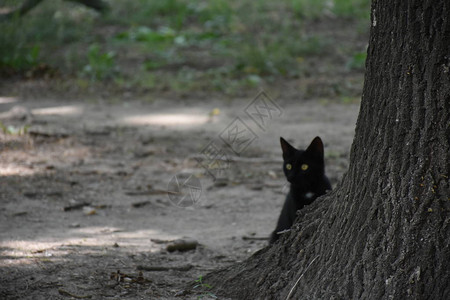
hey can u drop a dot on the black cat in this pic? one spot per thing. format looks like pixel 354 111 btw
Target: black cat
pixel 305 171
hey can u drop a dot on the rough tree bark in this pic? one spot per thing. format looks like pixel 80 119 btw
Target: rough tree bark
pixel 384 232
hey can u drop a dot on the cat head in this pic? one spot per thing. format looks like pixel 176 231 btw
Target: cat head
pixel 303 167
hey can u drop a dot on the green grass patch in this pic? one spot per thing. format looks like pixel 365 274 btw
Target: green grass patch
pixel 359 9
pixel 182 45
pixel 101 65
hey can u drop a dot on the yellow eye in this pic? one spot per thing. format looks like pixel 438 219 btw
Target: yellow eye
pixel 305 167
pixel 288 166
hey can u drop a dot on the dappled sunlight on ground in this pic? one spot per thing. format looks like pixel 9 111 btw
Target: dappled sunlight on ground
pixel 167 119
pixel 8 100
pixel 21 156
pixel 16 170
pixel 92 238
pixel 67 110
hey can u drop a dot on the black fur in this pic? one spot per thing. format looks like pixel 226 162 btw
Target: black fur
pixel 306 185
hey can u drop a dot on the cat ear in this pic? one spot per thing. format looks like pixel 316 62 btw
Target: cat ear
pixel 316 147
pixel 288 150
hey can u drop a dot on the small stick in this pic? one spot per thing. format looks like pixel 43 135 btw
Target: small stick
pixel 66 293
pixel 292 289
pixel 145 193
pixel 76 206
pixel 164 268
pixel 255 238
pixel 158 241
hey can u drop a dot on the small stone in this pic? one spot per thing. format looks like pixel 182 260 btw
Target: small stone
pixel 89 211
pixel 272 174
pixel 182 245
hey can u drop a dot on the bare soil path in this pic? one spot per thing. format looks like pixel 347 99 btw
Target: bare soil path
pixel 84 193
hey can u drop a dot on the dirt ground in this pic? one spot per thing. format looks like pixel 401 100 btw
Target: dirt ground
pixel 83 194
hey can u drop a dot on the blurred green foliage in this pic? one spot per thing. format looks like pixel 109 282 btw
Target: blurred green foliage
pixel 101 65
pixel 179 44
pixel 14 130
pixel 339 8
pixel 357 61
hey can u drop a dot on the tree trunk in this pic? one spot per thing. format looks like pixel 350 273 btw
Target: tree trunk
pixel 98 5
pixel 22 10
pixel 384 232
